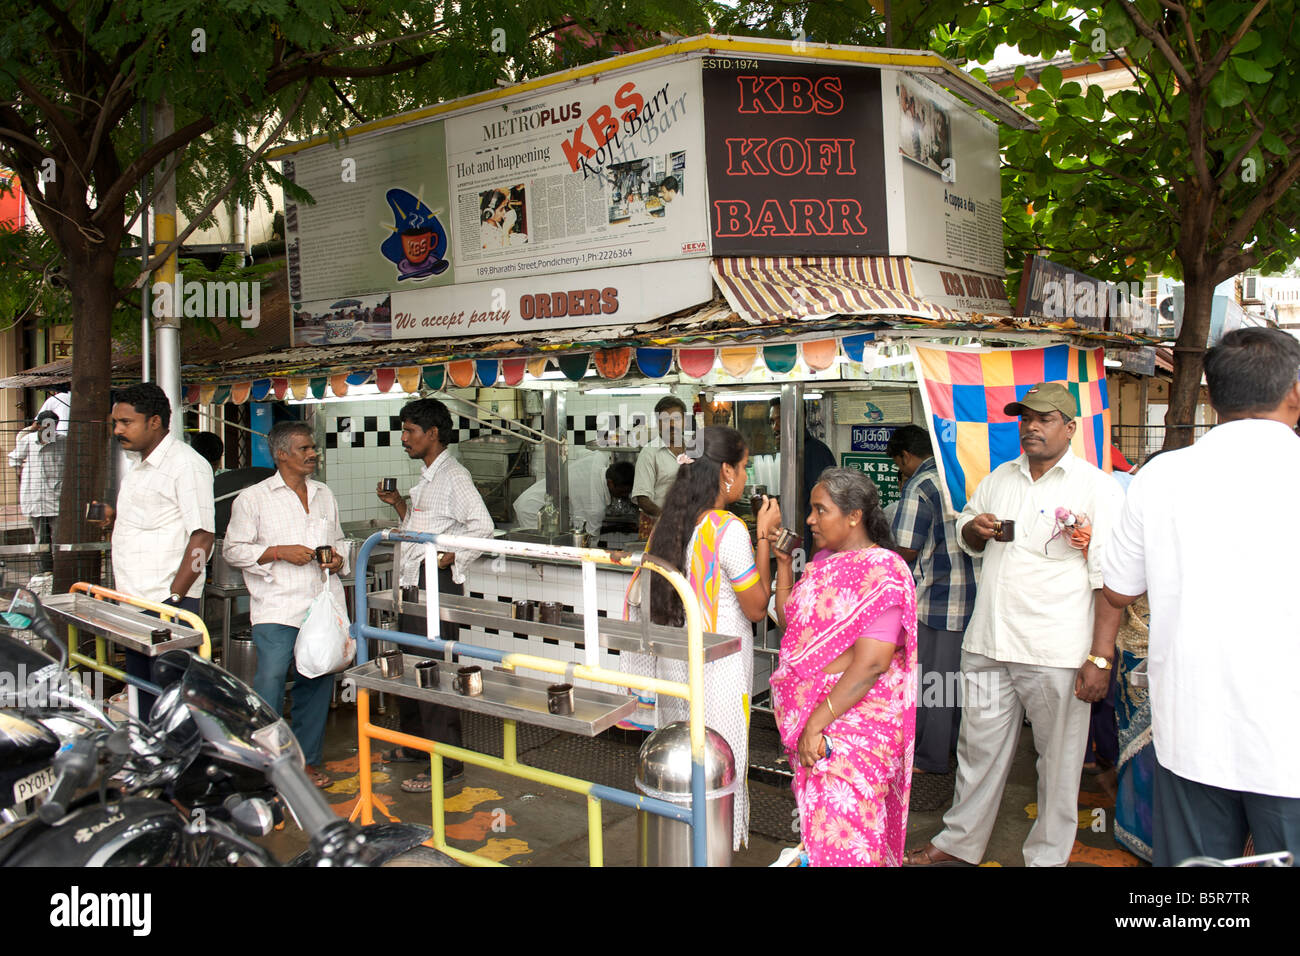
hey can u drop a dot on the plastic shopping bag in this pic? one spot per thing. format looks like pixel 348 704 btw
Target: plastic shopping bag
pixel 324 645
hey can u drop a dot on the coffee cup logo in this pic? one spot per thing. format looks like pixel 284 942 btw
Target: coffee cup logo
pixel 415 244
pixel 418 241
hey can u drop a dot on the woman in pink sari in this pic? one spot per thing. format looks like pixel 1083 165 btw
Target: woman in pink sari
pixel 845 690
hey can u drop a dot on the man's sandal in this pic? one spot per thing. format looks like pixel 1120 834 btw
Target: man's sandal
pixel 924 856
pixel 319 779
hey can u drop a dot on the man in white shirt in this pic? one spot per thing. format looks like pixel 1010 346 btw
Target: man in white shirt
pixel 1026 649
pixel 163 524
pixel 39 454
pixel 1219 573
pixel 444 501
pixel 656 464
pixel 593 486
pixel 275 528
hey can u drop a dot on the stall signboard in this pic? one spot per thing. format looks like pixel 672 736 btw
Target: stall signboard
pixel 600 174
pixel 945 188
pixel 872 438
pixel 602 297
pixel 596 175
pixel 795 158
pixel 1053 292
pixel 880 469
pixel 379 222
pixel 651 162
pixel 962 289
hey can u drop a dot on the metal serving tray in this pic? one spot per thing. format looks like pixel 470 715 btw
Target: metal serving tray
pixel 666 642
pixel 120 624
pixel 505 695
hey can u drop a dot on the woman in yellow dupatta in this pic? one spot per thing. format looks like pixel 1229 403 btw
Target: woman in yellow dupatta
pixel 697 533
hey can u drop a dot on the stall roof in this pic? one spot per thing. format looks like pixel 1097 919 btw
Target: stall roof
pixel 945 73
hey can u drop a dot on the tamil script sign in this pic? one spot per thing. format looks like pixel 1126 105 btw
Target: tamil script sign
pixel 873 438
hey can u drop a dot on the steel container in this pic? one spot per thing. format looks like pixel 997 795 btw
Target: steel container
pixel 243 657
pixel 664 772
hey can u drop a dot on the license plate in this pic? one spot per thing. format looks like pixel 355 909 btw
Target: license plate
pixel 34 784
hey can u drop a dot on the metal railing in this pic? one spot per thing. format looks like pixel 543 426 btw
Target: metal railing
pixel 508 763
pixel 1139 442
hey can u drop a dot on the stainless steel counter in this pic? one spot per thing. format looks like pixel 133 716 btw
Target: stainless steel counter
pixel 505 695
pixel 120 624
pixel 659 641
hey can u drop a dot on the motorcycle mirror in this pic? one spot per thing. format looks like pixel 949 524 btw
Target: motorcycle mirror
pixel 21 610
pixel 17 609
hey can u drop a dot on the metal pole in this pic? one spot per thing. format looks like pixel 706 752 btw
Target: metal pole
pixel 557 472
pixel 792 455
pixel 146 347
pixel 168 328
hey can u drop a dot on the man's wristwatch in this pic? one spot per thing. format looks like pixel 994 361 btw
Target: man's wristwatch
pixel 1101 662
pixel 174 599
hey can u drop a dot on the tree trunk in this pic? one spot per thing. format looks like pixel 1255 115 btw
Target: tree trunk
pixel 1189 362
pixel 90 280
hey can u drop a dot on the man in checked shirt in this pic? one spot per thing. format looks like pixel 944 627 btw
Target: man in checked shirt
pixel 444 501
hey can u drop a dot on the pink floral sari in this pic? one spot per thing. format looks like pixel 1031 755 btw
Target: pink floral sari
pixel 852 803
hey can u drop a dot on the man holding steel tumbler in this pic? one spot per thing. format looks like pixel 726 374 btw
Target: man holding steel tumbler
pixel 1027 649
pixel 164 522
pixel 284 532
pixel 444 501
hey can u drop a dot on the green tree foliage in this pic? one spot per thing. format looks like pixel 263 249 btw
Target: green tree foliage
pixel 76 74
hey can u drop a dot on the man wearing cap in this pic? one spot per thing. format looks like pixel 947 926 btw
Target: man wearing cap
pixel 1027 650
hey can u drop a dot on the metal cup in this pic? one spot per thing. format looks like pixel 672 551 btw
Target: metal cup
pixel 426 674
pixel 1006 530
pixel 389 484
pixel 469 681
pixel 551 612
pixel 411 594
pixel 756 503
pixel 160 634
pixel 324 555
pixel 524 610
pixel 787 541
pixel 96 511
pixel 559 699
pixel 390 665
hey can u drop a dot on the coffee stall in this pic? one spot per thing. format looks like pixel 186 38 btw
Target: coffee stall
pixel 724 220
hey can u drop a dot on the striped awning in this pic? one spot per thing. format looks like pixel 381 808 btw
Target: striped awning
pixel 789 288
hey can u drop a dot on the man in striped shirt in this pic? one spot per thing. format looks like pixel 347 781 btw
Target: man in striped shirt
pixel 945 594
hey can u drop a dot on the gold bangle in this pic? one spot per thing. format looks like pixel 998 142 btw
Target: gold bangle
pixel 830 708
pixel 786 587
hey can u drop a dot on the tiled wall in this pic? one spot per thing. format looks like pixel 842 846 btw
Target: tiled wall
pixel 356 457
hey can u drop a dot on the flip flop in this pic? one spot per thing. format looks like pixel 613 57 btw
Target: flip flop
pixel 319 779
pixel 920 856
pixel 400 755
pixel 421 783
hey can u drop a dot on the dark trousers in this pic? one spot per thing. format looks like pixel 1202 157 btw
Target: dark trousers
pixel 43 533
pixel 1196 819
pixel 1103 728
pixel 938 714
pixel 421 718
pixel 140 665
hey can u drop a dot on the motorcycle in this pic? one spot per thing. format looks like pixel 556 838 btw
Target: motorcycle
pixel 33 728
pixel 213 769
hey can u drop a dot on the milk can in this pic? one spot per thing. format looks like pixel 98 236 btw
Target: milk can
pixel 664 772
pixel 243 657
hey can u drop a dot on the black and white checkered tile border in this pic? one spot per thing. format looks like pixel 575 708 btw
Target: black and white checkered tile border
pixel 383 431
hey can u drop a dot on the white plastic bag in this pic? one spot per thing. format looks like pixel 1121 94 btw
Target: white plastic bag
pixel 324 645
